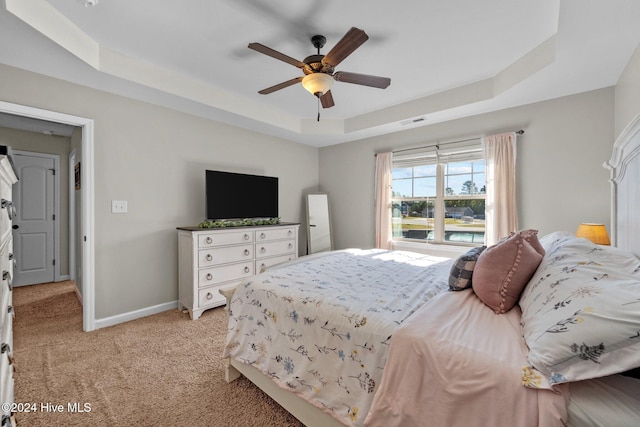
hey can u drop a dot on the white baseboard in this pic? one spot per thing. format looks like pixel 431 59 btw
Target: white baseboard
pixel 136 314
pixel 78 293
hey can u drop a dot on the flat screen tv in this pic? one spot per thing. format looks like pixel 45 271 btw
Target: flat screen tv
pixel 238 196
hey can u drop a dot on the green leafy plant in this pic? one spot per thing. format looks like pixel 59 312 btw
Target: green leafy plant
pixel 246 222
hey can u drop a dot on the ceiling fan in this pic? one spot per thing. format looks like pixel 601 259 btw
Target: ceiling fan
pixel 319 69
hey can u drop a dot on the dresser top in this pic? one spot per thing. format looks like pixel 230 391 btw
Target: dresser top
pixel 196 228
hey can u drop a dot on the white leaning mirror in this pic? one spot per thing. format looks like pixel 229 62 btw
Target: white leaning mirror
pixel 319 236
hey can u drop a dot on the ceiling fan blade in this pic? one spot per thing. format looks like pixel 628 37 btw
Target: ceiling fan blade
pixel 280 86
pixel 354 38
pixel 362 79
pixel 327 100
pixel 277 55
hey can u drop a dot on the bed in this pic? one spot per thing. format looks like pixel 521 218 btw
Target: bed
pixel 380 338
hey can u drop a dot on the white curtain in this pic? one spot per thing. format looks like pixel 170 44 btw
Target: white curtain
pixel 501 211
pixel 383 200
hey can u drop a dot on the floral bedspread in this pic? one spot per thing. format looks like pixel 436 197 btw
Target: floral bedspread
pixel 321 327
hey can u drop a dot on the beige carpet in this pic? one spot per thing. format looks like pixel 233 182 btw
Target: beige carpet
pixel 162 370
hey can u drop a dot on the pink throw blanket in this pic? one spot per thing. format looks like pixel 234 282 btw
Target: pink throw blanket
pixel 456 363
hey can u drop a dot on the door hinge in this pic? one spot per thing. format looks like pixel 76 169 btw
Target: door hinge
pixel 54 262
pixel 54 217
pixel 53 171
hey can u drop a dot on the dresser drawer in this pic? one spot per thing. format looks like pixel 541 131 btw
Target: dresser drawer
pixel 7 337
pixel 210 296
pixel 6 381
pixel 224 238
pixel 275 234
pixel 279 247
pixel 224 255
pixel 225 273
pixel 263 264
pixel 5 316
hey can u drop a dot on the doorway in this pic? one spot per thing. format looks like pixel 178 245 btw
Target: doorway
pixel 86 266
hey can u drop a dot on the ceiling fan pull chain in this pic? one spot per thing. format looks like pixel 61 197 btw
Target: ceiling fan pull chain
pixel 318 108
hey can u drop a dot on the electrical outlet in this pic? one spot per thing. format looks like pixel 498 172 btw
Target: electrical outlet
pixel 118 206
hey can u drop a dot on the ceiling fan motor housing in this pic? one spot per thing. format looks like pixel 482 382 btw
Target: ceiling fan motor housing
pixel 316 66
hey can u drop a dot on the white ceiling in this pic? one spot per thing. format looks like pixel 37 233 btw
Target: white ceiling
pixel 446 59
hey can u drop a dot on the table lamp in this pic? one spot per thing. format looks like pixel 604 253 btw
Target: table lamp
pixel 597 233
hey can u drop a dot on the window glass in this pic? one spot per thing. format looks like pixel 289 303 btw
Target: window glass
pixel 464 220
pixel 424 187
pixel 457 216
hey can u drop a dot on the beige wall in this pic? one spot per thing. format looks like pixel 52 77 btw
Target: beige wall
pixel 41 143
pixel 627 103
pixel 154 158
pixel 560 178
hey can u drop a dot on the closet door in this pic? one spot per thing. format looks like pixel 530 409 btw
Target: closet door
pixel 34 225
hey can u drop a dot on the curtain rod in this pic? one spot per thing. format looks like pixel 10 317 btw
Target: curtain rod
pixel 519 132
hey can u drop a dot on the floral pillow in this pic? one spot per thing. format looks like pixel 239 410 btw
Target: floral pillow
pixel 462 270
pixel 580 313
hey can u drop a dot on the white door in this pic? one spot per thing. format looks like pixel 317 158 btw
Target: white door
pixel 33 226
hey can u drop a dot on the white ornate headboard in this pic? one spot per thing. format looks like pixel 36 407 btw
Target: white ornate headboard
pixel 625 189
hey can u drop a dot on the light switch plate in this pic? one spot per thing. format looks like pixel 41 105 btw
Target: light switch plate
pixel 118 206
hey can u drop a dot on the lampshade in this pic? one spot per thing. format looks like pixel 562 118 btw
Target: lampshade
pixel 597 233
pixel 317 83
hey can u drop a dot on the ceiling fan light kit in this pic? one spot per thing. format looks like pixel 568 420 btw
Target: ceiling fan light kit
pixel 319 69
pixel 317 83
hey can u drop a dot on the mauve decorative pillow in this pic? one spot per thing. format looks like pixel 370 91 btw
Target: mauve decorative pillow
pixel 462 270
pixel 504 269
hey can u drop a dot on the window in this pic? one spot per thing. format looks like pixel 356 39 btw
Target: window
pixel 438 195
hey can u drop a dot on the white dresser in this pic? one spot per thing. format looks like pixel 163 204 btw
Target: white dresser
pixel 213 259
pixel 7 212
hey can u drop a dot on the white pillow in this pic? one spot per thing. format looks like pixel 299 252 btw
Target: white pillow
pixel 580 312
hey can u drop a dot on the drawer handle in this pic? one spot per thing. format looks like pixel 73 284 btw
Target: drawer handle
pixel 246 236
pixel 6 421
pixel 7 276
pixel 263 236
pixel 209 295
pixel 263 250
pixel 209 257
pixel 11 210
pixel 290 246
pixel 209 276
pixel 290 232
pixel 263 268
pixel 246 252
pixel 208 239
pixel 246 269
